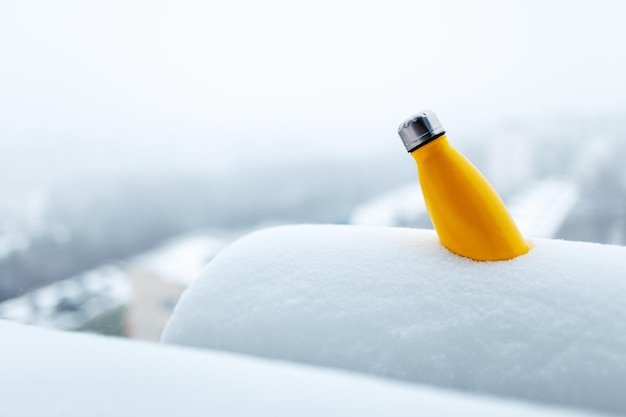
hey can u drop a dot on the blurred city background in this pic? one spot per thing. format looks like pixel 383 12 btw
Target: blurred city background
pixel 137 139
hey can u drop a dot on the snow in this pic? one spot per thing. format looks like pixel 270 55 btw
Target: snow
pixel 549 326
pixel 57 374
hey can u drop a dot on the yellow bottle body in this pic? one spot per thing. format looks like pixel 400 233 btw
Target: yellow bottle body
pixel 470 218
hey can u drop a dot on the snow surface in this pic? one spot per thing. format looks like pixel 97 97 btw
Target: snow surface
pixel 48 373
pixel 549 326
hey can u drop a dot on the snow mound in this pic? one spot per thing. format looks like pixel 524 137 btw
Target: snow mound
pixel 549 326
pixel 57 374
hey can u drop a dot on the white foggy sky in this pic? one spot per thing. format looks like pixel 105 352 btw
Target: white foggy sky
pixel 133 70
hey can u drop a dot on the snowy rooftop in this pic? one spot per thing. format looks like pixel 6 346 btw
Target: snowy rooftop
pixel 402 206
pixel 546 327
pixel 542 207
pixel 181 259
pixel 57 374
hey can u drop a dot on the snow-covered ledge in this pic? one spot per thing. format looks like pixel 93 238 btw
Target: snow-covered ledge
pixel 549 326
pixel 54 374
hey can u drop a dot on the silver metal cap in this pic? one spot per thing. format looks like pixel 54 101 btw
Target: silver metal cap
pixel 420 129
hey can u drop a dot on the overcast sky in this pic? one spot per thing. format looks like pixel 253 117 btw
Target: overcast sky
pixel 155 70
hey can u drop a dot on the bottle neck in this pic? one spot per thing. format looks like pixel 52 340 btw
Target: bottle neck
pixel 424 152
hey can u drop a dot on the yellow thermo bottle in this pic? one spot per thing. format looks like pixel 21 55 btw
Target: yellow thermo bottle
pixel 470 218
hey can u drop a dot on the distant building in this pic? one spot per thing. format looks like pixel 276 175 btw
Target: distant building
pixel 400 207
pixel 92 301
pixel 134 301
pixel 541 207
pixel 510 159
pixel 159 277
